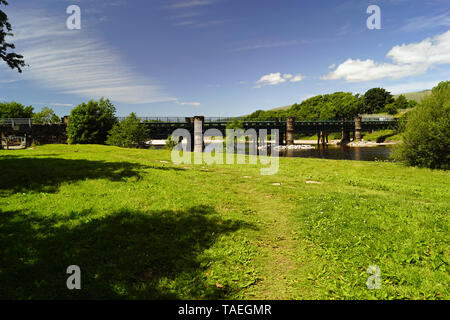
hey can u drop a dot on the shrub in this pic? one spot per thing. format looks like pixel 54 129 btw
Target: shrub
pixel 129 133
pixel 91 122
pixel 426 137
pixel 171 143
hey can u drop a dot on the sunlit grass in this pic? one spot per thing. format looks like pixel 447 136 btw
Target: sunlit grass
pixel 142 227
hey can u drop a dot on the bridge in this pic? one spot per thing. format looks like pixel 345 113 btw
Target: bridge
pixel 163 127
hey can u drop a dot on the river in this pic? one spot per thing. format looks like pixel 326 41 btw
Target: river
pixel 381 153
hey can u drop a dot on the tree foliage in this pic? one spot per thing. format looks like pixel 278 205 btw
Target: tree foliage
pixel 89 123
pixel 15 110
pixel 129 133
pixel 376 99
pixel 335 106
pixel 14 60
pixel 426 139
pixel 45 116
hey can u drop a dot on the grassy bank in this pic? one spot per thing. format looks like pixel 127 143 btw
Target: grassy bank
pixel 141 227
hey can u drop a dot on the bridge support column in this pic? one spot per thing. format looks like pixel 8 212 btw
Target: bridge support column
pixel 280 138
pixel 345 134
pixel 358 128
pixel 290 130
pixel 198 133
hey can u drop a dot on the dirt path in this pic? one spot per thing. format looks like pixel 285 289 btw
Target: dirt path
pixel 285 262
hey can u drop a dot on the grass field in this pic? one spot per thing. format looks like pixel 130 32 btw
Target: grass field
pixel 141 227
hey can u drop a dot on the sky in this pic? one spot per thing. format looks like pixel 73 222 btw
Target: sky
pixel 220 57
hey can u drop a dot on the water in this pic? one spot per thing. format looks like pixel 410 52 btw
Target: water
pixel 381 153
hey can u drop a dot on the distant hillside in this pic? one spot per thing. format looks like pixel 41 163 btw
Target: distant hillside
pixel 281 108
pixel 416 96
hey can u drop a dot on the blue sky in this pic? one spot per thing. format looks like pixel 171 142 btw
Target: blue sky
pixel 221 57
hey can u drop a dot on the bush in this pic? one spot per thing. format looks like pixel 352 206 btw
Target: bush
pixel 129 133
pixel 91 122
pixel 171 143
pixel 426 137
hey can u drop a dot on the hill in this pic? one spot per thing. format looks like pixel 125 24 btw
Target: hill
pixel 416 96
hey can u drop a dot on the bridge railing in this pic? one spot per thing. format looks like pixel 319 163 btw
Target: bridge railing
pixel 16 121
pixel 182 119
pixel 230 119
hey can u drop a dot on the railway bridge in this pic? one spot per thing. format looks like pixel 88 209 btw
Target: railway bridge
pixel 163 127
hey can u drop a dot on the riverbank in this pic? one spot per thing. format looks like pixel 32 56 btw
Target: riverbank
pixel 362 143
pixel 141 227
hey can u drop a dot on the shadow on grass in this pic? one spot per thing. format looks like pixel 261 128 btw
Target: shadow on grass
pixel 126 255
pixel 21 174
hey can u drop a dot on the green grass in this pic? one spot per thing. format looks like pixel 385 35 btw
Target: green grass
pixel 382 136
pixel 141 227
pixel 331 136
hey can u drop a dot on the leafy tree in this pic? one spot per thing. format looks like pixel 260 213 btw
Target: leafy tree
pixel 401 102
pixel 391 108
pixel 345 105
pixel 14 60
pixel 426 139
pixel 336 106
pixel 91 122
pixel 235 124
pixel 46 115
pixel 412 104
pixel 15 110
pixel 129 133
pixel 376 99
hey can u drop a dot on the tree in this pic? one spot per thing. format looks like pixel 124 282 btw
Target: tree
pixel 391 108
pixel 45 116
pixel 129 133
pixel 426 137
pixel 14 60
pixel 15 110
pixel 345 105
pixel 401 102
pixel 376 99
pixel 412 104
pixel 91 122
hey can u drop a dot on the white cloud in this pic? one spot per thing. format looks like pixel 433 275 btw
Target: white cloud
pixel 53 104
pixel 195 104
pixel 409 60
pixel 277 78
pixel 190 4
pixel 268 45
pixel 421 23
pixel 272 79
pixel 297 78
pixel 72 61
